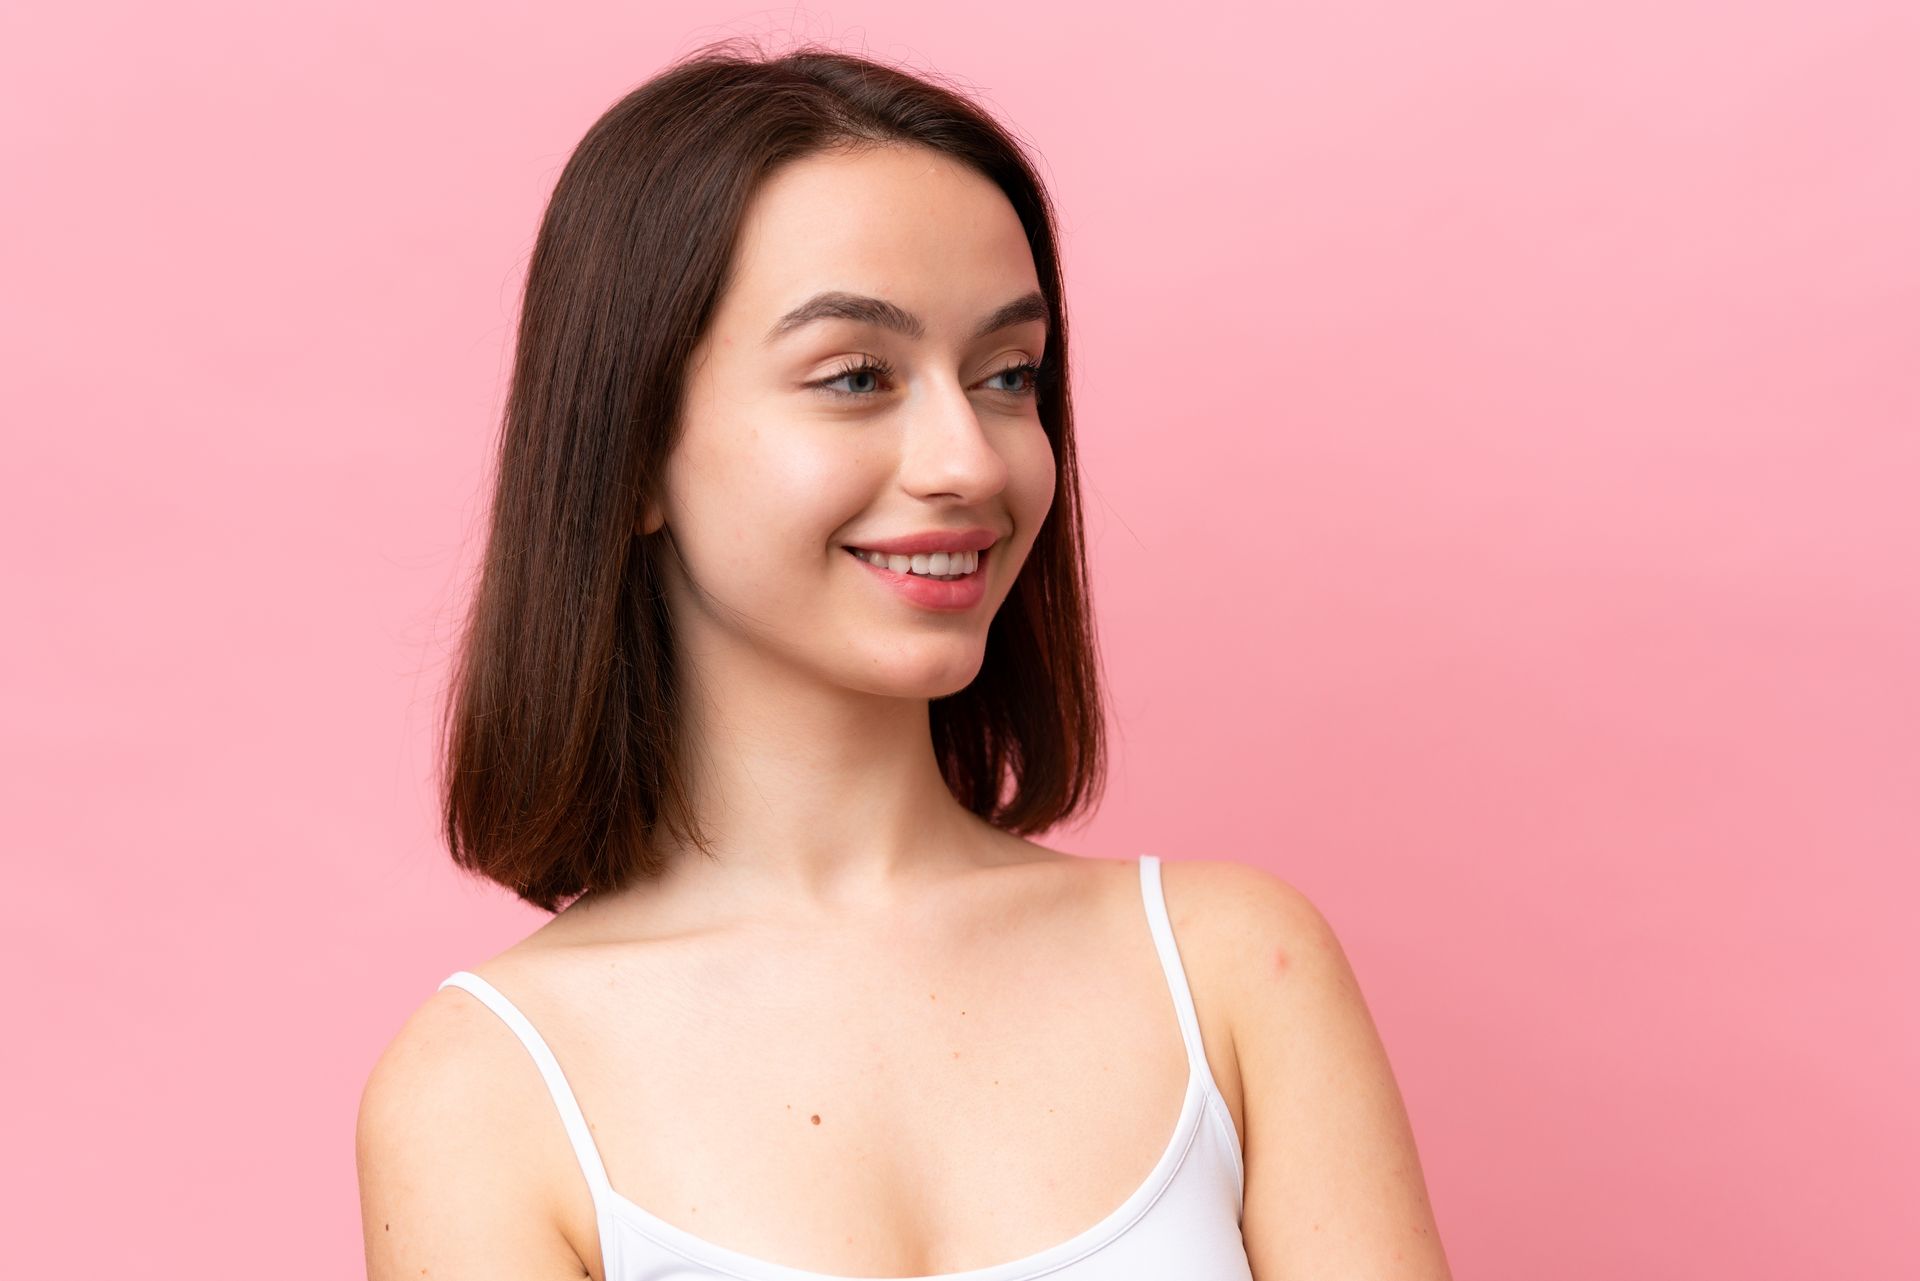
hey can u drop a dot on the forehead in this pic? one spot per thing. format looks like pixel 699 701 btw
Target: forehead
pixel 899 222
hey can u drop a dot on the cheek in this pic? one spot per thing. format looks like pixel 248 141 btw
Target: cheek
pixel 809 483
pixel 820 468
pixel 1030 476
pixel 773 492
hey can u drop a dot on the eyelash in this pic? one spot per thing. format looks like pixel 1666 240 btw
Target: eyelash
pixel 1036 377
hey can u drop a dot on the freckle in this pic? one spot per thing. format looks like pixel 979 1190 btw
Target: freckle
pixel 816 1118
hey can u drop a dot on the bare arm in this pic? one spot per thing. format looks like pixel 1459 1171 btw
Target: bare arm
pixel 445 1188
pixel 1334 1186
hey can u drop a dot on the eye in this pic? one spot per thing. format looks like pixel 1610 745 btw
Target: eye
pixel 872 366
pixel 866 366
pixel 1033 373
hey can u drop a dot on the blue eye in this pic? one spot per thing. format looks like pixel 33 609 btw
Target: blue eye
pixel 867 366
pixel 874 366
pixel 1033 377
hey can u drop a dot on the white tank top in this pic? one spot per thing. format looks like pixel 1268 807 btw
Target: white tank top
pixel 1183 1222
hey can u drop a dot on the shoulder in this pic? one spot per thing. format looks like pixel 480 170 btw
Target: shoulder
pixel 445 1059
pixel 1286 983
pixel 449 1155
pixel 1257 933
pixel 1240 929
pixel 1236 900
pixel 1327 1137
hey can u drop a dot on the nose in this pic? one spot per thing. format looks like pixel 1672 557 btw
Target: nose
pixel 948 447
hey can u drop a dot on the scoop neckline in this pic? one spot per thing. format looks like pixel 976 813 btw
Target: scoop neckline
pixel 748 1267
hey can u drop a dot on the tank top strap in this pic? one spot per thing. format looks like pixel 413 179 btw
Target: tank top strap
pixel 1162 926
pixel 570 1115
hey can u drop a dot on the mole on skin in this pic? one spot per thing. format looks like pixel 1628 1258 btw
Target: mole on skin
pixel 816 1118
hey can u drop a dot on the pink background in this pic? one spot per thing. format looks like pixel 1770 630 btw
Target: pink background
pixel 1495 416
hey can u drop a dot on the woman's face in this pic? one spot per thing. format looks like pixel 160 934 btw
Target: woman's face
pixel 790 452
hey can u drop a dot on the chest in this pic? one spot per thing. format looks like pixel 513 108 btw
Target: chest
pixel 931 1114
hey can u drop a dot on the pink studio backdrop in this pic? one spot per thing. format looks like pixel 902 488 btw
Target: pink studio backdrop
pixel 1500 433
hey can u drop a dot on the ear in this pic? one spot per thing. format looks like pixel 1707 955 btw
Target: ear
pixel 651 518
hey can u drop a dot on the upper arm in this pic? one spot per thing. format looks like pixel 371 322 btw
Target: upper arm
pixel 443 1192
pixel 1334 1186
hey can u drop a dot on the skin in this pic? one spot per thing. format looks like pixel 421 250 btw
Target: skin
pixel 808 682
pixel 941 1109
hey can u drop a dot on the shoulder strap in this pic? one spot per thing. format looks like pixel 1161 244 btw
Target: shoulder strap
pixel 1162 927
pixel 570 1115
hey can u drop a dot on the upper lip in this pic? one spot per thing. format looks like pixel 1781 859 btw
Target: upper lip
pixel 931 540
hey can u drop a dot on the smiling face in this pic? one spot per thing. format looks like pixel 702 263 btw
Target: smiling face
pixel 866 376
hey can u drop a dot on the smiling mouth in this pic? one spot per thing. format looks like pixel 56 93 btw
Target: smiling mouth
pixel 861 554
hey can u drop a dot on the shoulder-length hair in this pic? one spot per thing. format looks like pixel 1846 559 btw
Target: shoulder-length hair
pixel 558 752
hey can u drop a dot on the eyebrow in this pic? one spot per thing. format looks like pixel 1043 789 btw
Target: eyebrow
pixel 836 304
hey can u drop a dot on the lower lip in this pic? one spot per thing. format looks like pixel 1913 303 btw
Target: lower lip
pixel 931 593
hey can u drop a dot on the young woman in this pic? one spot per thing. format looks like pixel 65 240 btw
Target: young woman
pixel 781 653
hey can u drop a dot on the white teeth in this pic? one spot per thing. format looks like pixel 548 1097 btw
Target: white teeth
pixel 930 564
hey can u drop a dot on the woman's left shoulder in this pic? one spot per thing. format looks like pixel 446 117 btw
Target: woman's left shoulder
pixel 1266 952
pixel 1246 912
pixel 1329 1140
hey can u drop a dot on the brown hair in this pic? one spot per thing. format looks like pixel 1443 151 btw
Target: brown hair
pixel 558 751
